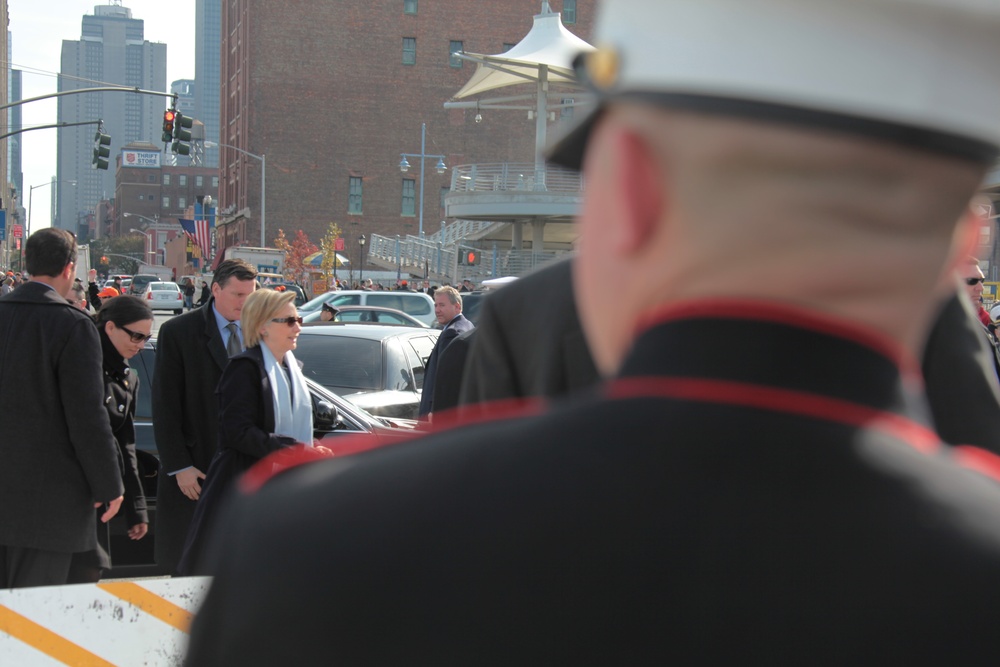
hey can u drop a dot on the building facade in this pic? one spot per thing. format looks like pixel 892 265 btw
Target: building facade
pixel 332 94
pixel 207 51
pixel 112 50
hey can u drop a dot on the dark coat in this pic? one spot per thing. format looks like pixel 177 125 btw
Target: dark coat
pixel 530 342
pixel 783 502
pixel 246 435
pixel 960 376
pixel 458 324
pixel 450 369
pixel 57 454
pixel 190 357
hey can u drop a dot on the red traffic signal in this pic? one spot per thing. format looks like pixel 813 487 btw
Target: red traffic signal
pixel 472 258
pixel 168 125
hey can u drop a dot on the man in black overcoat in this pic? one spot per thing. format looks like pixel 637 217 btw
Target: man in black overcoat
pixel 191 352
pixel 448 310
pixel 58 457
pixel 529 341
pixel 774 191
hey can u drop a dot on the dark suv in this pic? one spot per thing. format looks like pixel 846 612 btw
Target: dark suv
pixel 140 282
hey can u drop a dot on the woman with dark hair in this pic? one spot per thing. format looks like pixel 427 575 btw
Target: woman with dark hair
pixel 125 324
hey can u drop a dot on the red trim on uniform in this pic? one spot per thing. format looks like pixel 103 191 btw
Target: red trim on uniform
pixel 293 457
pixel 777 400
pixel 978 459
pixel 781 313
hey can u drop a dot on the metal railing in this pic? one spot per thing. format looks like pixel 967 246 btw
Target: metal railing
pixel 514 177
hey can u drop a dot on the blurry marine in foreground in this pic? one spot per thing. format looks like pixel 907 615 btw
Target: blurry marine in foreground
pixel 776 188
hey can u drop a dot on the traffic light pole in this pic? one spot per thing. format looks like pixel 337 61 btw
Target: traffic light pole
pixel 49 127
pixel 98 89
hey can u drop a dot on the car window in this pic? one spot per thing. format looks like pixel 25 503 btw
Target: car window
pixel 347 300
pixel 415 305
pixel 393 301
pixel 142 365
pixel 418 349
pixel 398 373
pixel 339 361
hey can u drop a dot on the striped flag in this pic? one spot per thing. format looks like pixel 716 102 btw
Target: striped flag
pixel 199 233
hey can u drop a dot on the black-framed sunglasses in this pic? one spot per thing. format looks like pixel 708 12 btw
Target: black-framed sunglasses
pixel 135 336
pixel 290 321
pixel 972 281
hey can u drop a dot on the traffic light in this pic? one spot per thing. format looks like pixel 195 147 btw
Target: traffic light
pixel 182 133
pixel 168 125
pixel 102 150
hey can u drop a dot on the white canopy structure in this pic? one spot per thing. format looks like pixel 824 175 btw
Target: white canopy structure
pixel 544 56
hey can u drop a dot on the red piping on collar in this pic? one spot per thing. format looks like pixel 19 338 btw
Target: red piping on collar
pixel 782 313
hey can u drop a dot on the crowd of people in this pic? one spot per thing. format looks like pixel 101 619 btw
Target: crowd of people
pixel 757 443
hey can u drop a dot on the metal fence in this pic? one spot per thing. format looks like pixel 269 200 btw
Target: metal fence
pixel 514 177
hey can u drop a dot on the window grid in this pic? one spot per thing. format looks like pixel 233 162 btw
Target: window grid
pixel 409 6
pixel 409 196
pixel 354 198
pixel 409 50
pixel 454 47
pixel 569 12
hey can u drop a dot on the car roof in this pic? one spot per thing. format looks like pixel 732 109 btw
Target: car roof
pixel 368 331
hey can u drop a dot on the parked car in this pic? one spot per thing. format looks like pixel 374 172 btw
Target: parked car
pixel 300 296
pixel 366 314
pixel 379 368
pixel 417 304
pixel 164 296
pixel 333 418
pixel 139 282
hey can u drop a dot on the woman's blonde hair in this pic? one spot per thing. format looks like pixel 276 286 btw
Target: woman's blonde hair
pixel 260 307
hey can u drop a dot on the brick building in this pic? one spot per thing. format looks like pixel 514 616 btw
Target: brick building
pixel 332 93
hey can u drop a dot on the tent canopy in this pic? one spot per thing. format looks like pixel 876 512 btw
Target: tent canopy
pixel 547 43
pixel 316 259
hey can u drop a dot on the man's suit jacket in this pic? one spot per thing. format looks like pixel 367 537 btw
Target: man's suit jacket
pixel 57 453
pixel 190 357
pixel 451 331
pixel 529 341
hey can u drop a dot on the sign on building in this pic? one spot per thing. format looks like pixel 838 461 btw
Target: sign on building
pixel 148 159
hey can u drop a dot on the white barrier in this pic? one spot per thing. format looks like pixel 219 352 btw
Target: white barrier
pixel 115 623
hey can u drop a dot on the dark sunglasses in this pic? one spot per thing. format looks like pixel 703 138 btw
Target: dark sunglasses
pixel 973 281
pixel 135 335
pixel 290 321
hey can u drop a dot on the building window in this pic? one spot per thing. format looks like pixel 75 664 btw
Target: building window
pixel 151 178
pixel 566 112
pixel 409 196
pixel 215 181
pixel 409 6
pixel 507 46
pixel 198 181
pixel 453 48
pixel 166 202
pixel 354 197
pixel 166 179
pixel 569 12
pixel 409 50
pixel 182 203
pixel 182 180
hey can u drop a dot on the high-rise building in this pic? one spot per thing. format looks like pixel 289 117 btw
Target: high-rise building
pixel 14 124
pixel 207 47
pixel 111 50
pixel 184 89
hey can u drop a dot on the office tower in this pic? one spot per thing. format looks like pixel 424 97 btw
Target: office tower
pixel 208 45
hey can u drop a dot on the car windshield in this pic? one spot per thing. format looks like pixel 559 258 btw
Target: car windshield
pixel 163 286
pixel 315 302
pixel 340 361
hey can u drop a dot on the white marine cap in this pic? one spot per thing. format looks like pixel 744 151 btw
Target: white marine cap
pixel 924 73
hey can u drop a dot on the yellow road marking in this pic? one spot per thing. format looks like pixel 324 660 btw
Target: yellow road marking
pixel 46 641
pixel 152 604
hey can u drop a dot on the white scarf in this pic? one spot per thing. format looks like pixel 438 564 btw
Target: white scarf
pixel 293 415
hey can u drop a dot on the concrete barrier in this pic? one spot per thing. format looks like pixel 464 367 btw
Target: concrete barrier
pixel 117 623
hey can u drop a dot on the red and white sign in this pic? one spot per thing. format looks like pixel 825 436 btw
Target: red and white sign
pixel 339 244
pixel 17 231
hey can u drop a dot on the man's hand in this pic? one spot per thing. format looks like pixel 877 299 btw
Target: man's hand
pixel 188 481
pixel 92 275
pixel 113 507
pixel 138 531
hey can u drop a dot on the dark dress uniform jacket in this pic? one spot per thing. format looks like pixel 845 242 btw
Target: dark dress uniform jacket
pixel 57 454
pixel 766 497
pixel 190 357
pixel 458 325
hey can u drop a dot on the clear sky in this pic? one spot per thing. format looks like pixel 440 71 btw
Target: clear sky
pixel 37 29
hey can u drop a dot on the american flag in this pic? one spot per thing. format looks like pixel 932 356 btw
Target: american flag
pixel 199 233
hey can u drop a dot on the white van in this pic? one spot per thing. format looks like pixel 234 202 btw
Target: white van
pixel 417 304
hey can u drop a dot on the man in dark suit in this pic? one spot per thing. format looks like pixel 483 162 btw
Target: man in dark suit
pixel 191 351
pixel 767 216
pixel 448 310
pixel 58 457
pixel 529 342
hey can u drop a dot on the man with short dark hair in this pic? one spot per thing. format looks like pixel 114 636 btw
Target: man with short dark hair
pixel 191 351
pixel 58 457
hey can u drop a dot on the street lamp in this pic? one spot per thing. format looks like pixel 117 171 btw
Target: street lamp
pixel 153 221
pixel 404 166
pixel 263 182
pixel 149 241
pixel 31 191
pixel 361 259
